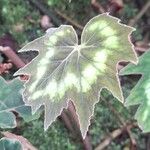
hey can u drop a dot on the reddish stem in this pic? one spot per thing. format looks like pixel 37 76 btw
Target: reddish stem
pixel 12 56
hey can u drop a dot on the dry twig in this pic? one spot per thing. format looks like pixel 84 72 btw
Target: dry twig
pixel 74 23
pixel 121 120
pixel 133 21
pixel 113 135
pixel 98 6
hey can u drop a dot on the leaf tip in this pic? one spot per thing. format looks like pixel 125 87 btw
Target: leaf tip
pixel 128 102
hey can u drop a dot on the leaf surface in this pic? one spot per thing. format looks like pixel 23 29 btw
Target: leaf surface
pixel 11 100
pixel 10 144
pixel 66 70
pixel 140 94
pixel 1 58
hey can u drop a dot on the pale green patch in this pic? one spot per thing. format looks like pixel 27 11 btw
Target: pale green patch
pixel 67 70
pixel 61 33
pixel 147 91
pixel 68 31
pixel 42 63
pixel 85 86
pixel 98 25
pixel 90 73
pixel 51 89
pixel 71 80
pixel 94 26
pixel 145 115
pixel 33 86
pixel 37 94
pixel 107 31
pixel 45 60
pixel 112 42
pixel 52 40
pixel 100 59
pixel 41 71
pixel 61 89
pixel 102 25
pixel 49 53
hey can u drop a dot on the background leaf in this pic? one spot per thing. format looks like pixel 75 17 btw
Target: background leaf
pixel 65 70
pixel 11 100
pixel 1 58
pixel 10 144
pixel 140 94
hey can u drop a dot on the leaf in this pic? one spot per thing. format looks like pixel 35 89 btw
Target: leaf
pixel 65 70
pixel 1 58
pixel 140 94
pixel 11 100
pixel 10 144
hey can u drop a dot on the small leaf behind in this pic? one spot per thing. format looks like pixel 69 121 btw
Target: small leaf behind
pixel 11 100
pixel 140 94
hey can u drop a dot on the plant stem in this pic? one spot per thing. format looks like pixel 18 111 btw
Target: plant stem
pixel 7 51
pixel 74 23
pixel 113 135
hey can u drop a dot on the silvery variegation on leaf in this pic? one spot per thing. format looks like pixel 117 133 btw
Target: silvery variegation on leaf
pixel 68 70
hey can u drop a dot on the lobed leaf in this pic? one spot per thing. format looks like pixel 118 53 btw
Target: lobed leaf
pixel 11 100
pixel 66 70
pixel 140 94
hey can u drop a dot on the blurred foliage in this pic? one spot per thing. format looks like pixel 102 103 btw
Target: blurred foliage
pixel 74 9
pixel 57 136
pixel 129 10
pixel 16 18
pixel 105 121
